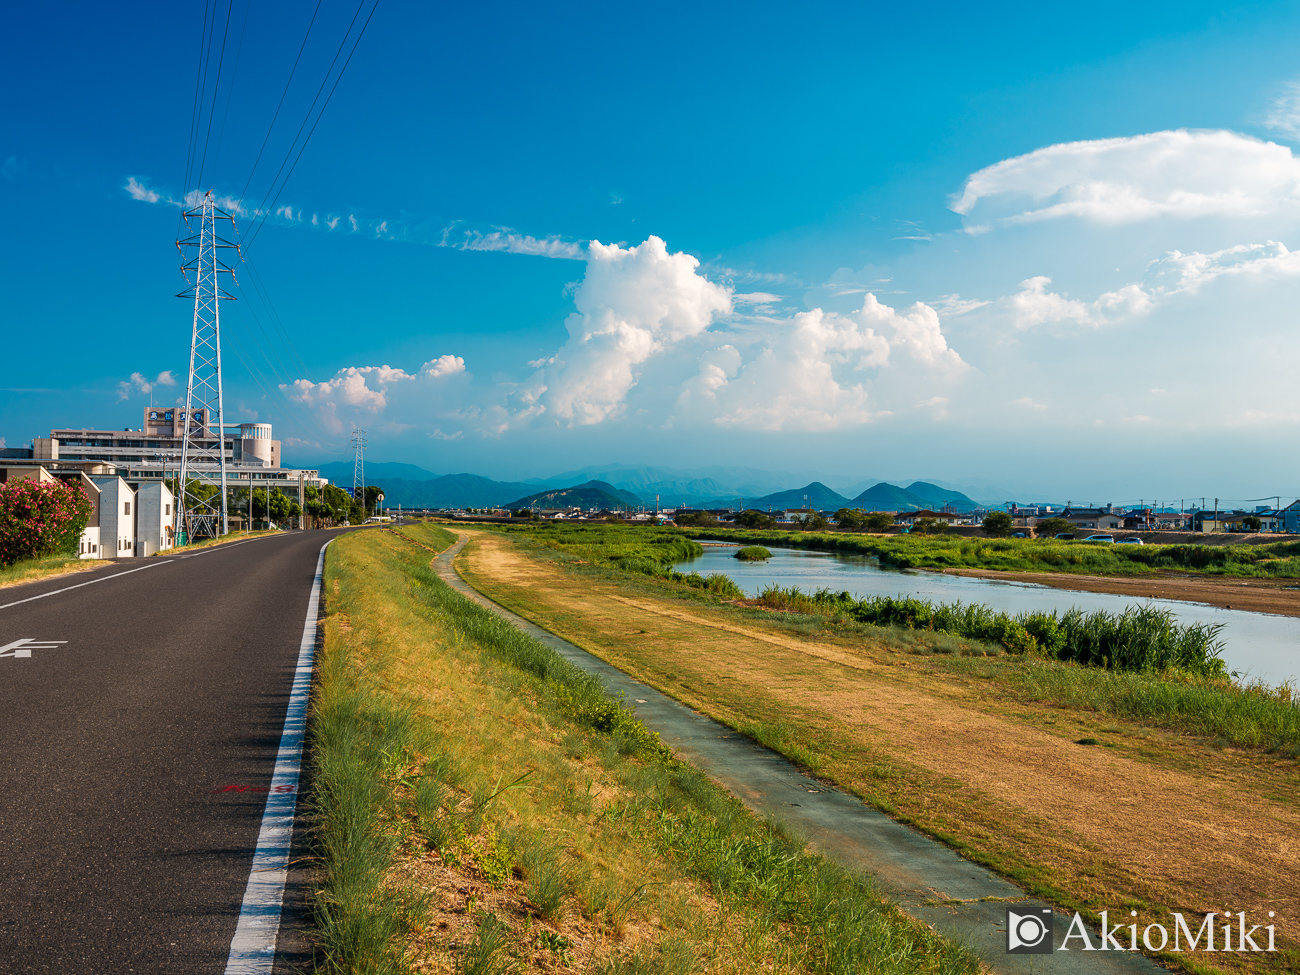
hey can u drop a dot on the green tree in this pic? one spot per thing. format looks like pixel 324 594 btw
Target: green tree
pixel 930 526
pixel 878 521
pixel 850 519
pixel 1251 523
pixel 997 523
pixel 814 521
pixel 696 519
pixel 755 519
pixel 1051 527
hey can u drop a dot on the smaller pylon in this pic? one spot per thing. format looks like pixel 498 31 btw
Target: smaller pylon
pixel 359 467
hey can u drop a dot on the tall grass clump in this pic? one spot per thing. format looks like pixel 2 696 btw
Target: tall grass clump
pixel 1252 715
pixel 1141 638
pixel 352 736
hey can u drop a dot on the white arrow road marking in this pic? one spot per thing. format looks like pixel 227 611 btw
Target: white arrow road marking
pixel 25 646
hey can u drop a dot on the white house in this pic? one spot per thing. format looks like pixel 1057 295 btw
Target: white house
pixel 88 546
pixel 154 515
pixel 116 518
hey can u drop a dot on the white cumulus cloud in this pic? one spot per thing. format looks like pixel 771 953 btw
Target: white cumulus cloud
pixel 1034 305
pixel 813 371
pixel 138 384
pixel 1179 173
pixel 633 303
pixel 365 389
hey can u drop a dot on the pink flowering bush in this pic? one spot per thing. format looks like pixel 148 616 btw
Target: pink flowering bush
pixel 39 519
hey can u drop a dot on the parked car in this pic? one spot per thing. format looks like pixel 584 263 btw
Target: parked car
pixel 1018 535
pixel 1068 536
pixel 1100 538
pixel 1128 541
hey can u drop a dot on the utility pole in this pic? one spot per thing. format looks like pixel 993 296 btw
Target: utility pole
pixel 359 469
pixel 203 444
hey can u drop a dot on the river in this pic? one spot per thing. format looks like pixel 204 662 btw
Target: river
pixel 1257 645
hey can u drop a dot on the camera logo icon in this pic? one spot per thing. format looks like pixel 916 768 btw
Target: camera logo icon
pixel 1029 933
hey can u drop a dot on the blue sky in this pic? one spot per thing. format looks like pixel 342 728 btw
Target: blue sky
pixel 1049 248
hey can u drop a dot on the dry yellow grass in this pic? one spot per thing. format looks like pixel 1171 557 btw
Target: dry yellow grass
pixel 34 570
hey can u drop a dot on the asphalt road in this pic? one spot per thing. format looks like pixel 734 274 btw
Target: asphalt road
pixel 133 744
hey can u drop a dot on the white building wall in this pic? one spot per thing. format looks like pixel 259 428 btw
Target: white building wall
pixel 153 518
pixel 88 548
pixel 116 518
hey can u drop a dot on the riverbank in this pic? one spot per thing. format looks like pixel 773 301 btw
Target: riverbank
pixel 1064 780
pixel 480 806
pixel 1280 597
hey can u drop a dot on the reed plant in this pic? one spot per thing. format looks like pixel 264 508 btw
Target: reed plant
pixel 1141 638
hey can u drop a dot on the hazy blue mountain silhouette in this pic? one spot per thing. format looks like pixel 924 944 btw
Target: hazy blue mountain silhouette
pixel 592 494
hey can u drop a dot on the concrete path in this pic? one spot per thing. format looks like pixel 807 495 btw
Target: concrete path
pixel 918 873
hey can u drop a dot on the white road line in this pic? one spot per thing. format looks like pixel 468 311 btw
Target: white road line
pixel 230 545
pixel 252 951
pixel 115 575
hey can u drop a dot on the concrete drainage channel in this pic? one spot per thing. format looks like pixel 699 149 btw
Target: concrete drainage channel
pixel 960 899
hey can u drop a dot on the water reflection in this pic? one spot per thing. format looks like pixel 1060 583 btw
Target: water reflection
pixel 1257 644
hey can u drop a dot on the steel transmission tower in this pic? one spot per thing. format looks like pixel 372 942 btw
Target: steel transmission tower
pixel 359 467
pixel 203 454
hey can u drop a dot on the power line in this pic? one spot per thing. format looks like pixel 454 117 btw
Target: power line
pixel 319 116
pixel 216 87
pixel 199 86
pixel 244 191
pixel 230 88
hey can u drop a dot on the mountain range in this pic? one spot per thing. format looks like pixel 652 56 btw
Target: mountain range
pixel 626 484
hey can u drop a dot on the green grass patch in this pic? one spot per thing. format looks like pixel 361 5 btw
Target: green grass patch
pixel 753 553
pixel 644 549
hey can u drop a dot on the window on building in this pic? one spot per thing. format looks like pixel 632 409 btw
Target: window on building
pixel 168 509
pixel 128 507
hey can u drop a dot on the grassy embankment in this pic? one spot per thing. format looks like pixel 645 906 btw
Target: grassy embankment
pixel 1275 560
pixel 973 745
pixel 481 806
pixel 32 570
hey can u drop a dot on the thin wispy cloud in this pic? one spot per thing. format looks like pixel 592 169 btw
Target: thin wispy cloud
pixel 514 243
pixel 1284 114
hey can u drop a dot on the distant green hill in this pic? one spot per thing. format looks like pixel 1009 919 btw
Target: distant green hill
pixel 920 494
pixel 937 497
pixel 340 472
pixel 448 491
pixel 593 494
pixel 818 496
pixel 887 497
